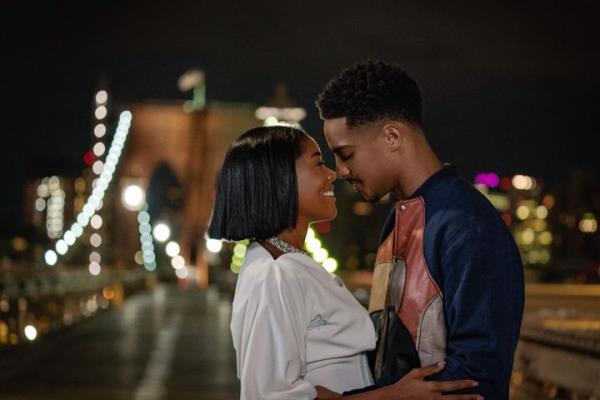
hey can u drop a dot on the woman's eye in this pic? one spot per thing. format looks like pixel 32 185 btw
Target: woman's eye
pixel 321 162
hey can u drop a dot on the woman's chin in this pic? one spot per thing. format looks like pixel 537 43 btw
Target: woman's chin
pixel 326 216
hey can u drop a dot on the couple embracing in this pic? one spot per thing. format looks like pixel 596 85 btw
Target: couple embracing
pixel 447 295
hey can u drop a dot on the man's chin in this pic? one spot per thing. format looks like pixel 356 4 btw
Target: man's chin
pixel 370 197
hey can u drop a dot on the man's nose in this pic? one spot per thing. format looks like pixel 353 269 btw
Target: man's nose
pixel 342 170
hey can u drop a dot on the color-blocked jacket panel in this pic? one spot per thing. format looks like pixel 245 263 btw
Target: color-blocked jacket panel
pixel 417 297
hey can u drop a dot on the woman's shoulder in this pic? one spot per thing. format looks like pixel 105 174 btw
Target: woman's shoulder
pixel 260 266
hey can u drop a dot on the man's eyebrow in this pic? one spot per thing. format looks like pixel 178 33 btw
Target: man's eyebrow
pixel 337 149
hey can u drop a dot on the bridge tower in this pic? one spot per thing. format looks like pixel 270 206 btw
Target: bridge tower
pixel 190 145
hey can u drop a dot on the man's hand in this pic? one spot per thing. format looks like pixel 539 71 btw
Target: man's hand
pixel 412 387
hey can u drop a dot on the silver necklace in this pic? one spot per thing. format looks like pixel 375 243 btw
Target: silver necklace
pixel 284 246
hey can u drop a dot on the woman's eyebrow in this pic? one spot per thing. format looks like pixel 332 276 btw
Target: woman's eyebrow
pixel 317 153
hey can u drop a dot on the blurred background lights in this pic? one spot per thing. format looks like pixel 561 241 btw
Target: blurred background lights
pixel 96 221
pixel 271 121
pixel 588 224
pixel 214 245
pixel 523 182
pixel 77 229
pixel 528 236
pixel 320 255
pixel 330 265
pixel 61 247
pixel 172 249
pixel 31 332
pixel 161 232
pixel 541 212
pixel 100 130
pixel 94 268
pixel 489 179
pixel 40 204
pixel 95 257
pixel 97 167
pixel 522 212
pixel 545 238
pixel 548 201
pixel 95 240
pixel 137 257
pixel 182 273
pixel 99 149
pixel 177 262
pixel 100 112
pixel 101 97
pixel 239 250
pixel 133 197
pixel 94 202
pixel 50 257
pixel 313 244
pixel 237 261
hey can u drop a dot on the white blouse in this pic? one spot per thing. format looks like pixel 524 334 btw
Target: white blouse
pixel 295 326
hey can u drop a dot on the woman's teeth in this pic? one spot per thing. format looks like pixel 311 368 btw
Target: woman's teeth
pixel 329 193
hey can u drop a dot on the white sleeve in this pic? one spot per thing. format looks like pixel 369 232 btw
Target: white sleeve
pixel 272 346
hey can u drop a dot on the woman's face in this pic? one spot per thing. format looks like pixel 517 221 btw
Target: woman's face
pixel 316 199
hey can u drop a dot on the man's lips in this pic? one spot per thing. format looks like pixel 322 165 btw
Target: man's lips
pixel 354 182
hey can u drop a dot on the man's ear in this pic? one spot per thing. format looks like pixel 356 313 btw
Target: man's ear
pixel 393 134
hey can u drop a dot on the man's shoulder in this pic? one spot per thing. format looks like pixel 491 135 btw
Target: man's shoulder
pixel 457 206
pixel 458 200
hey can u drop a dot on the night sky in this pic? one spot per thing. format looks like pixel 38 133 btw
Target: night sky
pixel 507 88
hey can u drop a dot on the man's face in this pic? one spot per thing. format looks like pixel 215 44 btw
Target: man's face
pixel 361 157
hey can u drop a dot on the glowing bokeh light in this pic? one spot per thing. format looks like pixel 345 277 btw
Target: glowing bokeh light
pixel 522 212
pixel 214 245
pixel 161 232
pixel 489 179
pixel 100 112
pixel 101 97
pixel 330 265
pixel 50 257
pixel 133 197
pixel 30 332
pixel 177 262
pixel 172 249
pixel 95 268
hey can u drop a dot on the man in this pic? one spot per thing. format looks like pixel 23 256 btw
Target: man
pixel 448 280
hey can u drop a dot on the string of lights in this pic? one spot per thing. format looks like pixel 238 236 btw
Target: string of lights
pixel 98 150
pixel 94 201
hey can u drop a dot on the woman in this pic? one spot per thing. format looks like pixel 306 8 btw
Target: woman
pixel 298 332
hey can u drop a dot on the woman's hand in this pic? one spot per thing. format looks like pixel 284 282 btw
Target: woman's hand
pixel 414 386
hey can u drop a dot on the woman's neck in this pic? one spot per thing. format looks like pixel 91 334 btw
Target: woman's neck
pixel 293 236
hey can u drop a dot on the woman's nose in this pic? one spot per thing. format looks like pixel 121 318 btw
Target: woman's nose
pixel 332 175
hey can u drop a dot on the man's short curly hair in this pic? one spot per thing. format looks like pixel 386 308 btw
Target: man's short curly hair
pixel 369 92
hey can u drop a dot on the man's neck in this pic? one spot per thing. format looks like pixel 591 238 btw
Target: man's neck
pixel 421 168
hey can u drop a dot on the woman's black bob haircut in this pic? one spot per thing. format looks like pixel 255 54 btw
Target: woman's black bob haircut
pixel 257 193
